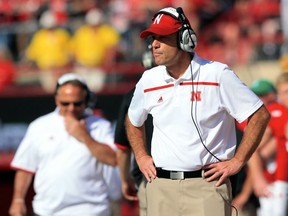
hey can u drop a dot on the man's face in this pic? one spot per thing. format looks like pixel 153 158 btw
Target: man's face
pixel 165 50
pixel 70 100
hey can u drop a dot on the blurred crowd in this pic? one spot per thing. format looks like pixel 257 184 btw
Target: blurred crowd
pixel 46 39
pixel 236 32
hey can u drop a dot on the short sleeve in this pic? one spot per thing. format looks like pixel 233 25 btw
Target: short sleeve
pixel 236 97
pixel 26 157
pixel 136 112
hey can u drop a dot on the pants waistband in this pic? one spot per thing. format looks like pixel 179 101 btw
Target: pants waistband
pixel 178 175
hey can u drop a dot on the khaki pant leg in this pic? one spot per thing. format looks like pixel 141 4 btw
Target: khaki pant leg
pixel 189 197
pixel 142 198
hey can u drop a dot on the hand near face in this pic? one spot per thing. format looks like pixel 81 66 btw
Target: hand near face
pixel 76 128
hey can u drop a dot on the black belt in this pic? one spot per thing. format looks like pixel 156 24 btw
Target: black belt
pixel 178 175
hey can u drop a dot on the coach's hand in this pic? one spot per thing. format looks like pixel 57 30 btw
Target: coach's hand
pixel 18 208
pixel 76 128
pixel 220 171
pixel 147 167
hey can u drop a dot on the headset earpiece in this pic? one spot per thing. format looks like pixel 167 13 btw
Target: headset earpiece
pixel 187 39
pixel 147 58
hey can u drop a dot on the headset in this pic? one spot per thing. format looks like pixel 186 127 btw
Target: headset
pixel 147 58
pixel 198 129
pixel 186 38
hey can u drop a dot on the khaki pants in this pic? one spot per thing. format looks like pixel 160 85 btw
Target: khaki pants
pixel 142 198
pixel 188 197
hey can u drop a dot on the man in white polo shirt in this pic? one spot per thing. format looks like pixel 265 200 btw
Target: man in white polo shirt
pixel 72 155
pixel 194 103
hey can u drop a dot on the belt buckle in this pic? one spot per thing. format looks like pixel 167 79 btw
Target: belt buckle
pixel 176 175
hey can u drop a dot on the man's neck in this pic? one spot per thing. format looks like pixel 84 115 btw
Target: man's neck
pixel 177 70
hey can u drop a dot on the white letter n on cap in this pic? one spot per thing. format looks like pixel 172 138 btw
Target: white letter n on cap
pixel 157 19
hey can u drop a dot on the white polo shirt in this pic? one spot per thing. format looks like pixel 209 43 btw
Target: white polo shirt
pixel 68 179
pixel 209 104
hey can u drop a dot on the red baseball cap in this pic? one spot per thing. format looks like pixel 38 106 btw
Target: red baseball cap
pixel 162 24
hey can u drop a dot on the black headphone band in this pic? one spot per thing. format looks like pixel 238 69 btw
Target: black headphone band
pixel 182 17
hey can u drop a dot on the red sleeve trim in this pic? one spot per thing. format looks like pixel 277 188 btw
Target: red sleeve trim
pixel 126 148
pixel 157 88
pixel 182 84
pixel 201 83
pixel 21 169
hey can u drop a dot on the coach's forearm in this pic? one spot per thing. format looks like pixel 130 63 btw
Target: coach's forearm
pixel 136 137
pixel 21 184
pixel 101 151
pixel 253 133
